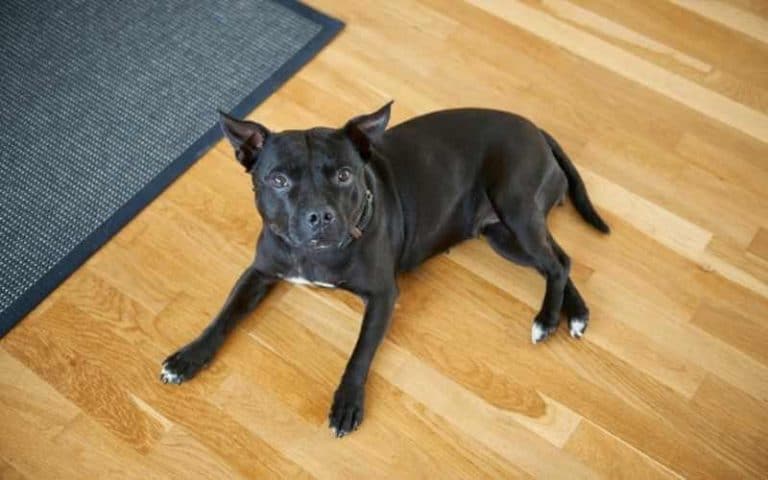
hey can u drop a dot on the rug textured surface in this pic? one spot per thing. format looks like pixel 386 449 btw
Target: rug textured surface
pixel 103 104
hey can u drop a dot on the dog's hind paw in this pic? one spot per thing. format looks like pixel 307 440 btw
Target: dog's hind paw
pixel 540 331
pixel 577 326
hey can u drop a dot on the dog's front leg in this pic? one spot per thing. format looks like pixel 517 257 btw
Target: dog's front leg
pixel 347 409
pixel 248 292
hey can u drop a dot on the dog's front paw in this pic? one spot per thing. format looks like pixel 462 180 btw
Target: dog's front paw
pixel 347 409
pixel 184 364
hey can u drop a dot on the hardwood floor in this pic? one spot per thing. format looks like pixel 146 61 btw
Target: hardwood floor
pixel 662 104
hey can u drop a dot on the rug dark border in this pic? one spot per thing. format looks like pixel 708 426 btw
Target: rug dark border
pixel 35 294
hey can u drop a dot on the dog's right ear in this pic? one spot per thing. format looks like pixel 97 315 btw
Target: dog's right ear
pixel 246 137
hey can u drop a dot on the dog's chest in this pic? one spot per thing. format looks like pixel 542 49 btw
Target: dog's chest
pixel 304 281
pixel 312 275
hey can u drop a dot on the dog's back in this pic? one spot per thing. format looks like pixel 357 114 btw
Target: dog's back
pixel 444 163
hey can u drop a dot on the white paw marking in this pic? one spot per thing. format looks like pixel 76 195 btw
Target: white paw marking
pixel 168 376
pixel 304 281
pixel 577 327
pixel 538 333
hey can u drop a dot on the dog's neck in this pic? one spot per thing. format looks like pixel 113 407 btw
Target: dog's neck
pixel 366 214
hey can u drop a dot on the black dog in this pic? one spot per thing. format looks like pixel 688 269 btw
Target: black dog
pixel 352 207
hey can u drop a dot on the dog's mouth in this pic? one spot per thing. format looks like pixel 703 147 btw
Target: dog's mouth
pixel 322 244
pixel 326 242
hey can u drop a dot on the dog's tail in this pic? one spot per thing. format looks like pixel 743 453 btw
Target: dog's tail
pixel 576 188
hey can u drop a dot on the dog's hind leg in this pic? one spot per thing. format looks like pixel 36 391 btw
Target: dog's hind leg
pixel 531 244
pixel 574 306
pixel 503 242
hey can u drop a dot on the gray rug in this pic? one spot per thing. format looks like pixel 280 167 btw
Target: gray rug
pixel 104 103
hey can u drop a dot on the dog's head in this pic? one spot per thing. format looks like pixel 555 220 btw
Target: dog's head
pixel 311 187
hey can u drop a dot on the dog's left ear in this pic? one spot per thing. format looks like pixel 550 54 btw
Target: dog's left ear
pixel 367 129
pixel 246 137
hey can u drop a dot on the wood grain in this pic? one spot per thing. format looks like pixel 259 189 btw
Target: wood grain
pixel 733 17
pixel 662 105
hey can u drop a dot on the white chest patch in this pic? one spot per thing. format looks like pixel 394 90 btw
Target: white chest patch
pixel 304 281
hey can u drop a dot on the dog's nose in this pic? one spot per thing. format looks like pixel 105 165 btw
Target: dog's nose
pixel 320 216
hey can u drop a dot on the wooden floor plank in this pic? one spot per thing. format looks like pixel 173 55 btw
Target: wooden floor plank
pixel 663 107
pixel 612 457
pixel 624 63
pixel 735 18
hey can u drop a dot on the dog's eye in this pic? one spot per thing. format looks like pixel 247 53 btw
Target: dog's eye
pixel 278 180
pixel 344 175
